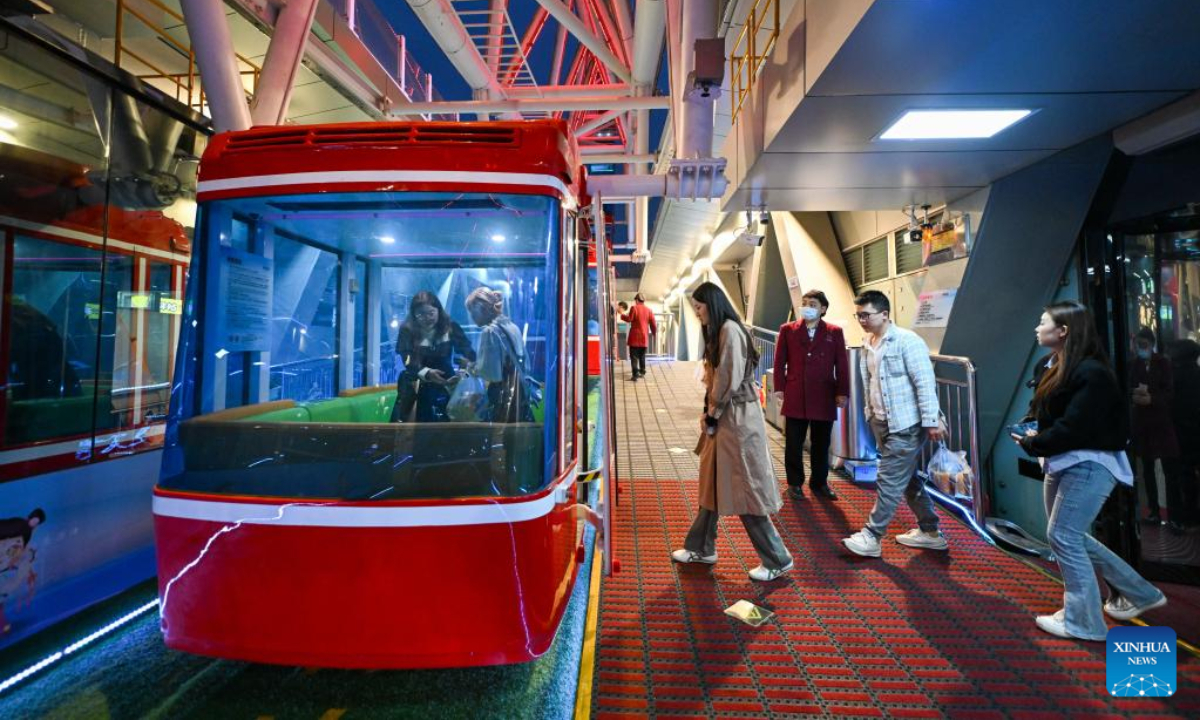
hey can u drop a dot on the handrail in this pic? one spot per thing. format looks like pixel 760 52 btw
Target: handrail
pixel 960 427
pixel 751 61
pixel 608 465
pixel 188 87
pixel 772 334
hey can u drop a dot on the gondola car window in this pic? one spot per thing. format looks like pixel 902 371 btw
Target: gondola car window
pixel 464 293
pixel 54 318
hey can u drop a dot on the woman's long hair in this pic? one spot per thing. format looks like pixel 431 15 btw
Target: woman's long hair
pixel 426 299
pixel 720 310
pixel 1082 343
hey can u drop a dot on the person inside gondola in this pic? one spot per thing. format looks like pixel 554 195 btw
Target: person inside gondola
pixel 430 345
pixel 501 362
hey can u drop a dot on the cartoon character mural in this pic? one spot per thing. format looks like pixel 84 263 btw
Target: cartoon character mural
pixel 16 561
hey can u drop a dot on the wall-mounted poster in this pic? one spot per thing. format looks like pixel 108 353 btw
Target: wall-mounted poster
pixel 933 309
pixel 948 240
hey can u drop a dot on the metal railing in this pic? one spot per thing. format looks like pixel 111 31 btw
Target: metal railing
pixel 957 398
pixel 764 342
pixel 390 49
pixel 184 85
pixel 751 50
pixel 958 401
pixel 304 380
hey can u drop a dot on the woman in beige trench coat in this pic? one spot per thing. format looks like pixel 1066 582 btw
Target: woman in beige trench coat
pixel 736 474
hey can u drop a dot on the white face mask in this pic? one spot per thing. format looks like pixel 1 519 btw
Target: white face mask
pixel 809 313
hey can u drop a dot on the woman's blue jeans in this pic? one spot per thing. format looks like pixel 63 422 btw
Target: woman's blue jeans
pixel 1073 500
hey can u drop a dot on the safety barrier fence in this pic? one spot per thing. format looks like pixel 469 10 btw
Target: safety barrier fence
pixel 130 55
pixel 390 49
pixel 957 398
pixel 751 50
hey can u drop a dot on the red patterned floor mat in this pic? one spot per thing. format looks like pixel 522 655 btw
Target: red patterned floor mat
pixel 915 634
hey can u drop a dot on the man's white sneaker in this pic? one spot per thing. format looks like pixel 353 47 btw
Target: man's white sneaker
pixel 1120 608
pixel 863 543
pixel 687 556
pixel 762 574
pixel 1056 625
pixel 918 538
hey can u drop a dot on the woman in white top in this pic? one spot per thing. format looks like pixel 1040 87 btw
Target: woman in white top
pixel 1083 428
pixel 501 356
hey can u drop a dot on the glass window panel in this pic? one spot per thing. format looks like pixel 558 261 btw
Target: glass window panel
pixel 359 300
pixel 909 256
pixel 118 368
pixel 54 322
pixel 875 261
pixel 854 267
pixel 471 387
pixel 303 321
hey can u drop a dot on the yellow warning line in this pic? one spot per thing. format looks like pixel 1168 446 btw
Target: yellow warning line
pixel 1195 651
pixel 587 661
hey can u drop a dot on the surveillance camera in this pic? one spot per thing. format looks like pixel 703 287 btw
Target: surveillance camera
pixel 914 235
pixel 709 70
pixel 750 238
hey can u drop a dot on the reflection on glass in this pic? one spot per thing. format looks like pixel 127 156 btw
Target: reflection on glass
pixel 96 201
pixel 470 321
pixel 1162 278
pixel 303 321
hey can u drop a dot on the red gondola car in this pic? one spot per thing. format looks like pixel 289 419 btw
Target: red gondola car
pixel 296 521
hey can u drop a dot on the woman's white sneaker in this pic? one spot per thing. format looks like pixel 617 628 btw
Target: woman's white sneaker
pixel 863 543
pixel 1056 625
pixel 1120 608
pixel 687 556
pixel 918 538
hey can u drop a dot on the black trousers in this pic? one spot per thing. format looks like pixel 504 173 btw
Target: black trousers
pixel 637 358
pixel 819 451
pixel 1172 471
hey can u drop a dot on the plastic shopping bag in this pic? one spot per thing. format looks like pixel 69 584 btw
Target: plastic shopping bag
pixel 468 402
pixel 950 472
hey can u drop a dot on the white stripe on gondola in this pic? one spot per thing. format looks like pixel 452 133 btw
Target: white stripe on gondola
pixel 382 176
pixel 318 513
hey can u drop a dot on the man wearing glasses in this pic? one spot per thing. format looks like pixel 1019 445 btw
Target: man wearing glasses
pixel 901 406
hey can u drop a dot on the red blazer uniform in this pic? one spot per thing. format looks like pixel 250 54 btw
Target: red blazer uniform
pixel 811 373
pixel 640 319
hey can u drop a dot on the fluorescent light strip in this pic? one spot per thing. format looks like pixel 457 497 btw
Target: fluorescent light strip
pixel 952 124
pixel 76 646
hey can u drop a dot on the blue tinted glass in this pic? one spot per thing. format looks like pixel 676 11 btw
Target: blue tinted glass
pixel 453 326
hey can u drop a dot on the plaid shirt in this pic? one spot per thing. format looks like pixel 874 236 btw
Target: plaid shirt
pixel 907 380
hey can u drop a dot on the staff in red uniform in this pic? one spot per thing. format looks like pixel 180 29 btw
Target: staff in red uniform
pixel 641 327
pixel 812 369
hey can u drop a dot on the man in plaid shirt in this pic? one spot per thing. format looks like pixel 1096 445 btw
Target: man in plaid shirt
pixel 901 406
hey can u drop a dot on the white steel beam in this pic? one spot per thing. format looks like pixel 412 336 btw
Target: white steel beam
pixel 222 80
pixel 568 19
pixel 278 78
pixel 495 34
pixel 649 29
pixel 612 158
pixel 549 91
pixel 624 25
pixel 598 122
pixel 560 49
pixel 696 125
pixel 447 30
pixel 534 105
